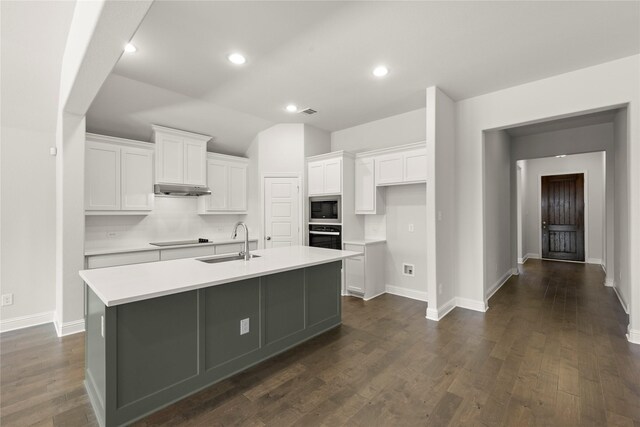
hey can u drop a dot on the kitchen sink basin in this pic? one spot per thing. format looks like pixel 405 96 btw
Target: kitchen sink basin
pixel 217 259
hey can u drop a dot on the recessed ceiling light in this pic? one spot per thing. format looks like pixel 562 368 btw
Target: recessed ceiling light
pixel 380 71
pixel 129 48
pixel 291 108
pixel 237 58
pixel 561 156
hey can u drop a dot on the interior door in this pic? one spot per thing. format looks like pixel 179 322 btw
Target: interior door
pixel 562 204
pixel 281 212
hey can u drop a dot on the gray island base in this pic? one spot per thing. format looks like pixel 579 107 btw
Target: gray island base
pixel 144 355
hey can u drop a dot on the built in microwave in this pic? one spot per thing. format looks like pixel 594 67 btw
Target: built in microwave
pixel 324 209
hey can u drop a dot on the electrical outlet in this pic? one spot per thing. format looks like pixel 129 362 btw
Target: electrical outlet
pixel 411 228
pixel 408 269
pixel 7 299
pixel 111 234
pixel 244 326
pixel 102 326
pixel 440 289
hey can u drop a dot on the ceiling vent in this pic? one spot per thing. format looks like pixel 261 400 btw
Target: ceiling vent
pixel 309 111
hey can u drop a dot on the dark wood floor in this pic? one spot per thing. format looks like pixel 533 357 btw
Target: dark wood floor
pixel 550 351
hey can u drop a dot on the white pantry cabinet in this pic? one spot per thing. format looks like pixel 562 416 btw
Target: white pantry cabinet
pixel 324 175
pixel 181 157
pixel 227 180
pixel 118 176
pixel 364 275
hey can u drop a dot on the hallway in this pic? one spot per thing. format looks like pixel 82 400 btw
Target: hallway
pixel 550 351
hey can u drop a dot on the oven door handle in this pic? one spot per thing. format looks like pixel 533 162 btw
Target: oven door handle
pixel 326 233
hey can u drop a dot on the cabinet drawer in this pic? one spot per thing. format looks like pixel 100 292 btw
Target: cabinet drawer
pixel 112 260
pixel 230 248
pixel 191 252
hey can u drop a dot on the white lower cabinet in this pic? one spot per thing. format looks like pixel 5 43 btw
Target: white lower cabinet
pixel 364 275
pixel 125 258
pixel 234 248
pixel 190 252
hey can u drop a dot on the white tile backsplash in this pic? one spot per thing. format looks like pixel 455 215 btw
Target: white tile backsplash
pixel 173 218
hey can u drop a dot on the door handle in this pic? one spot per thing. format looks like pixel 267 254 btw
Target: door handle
pixel 268 237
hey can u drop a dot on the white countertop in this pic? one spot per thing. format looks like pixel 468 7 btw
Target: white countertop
pixel 364 241
pixel 137 282
pixel 148 247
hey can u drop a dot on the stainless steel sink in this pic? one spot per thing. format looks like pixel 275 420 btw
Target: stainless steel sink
pixel 217 259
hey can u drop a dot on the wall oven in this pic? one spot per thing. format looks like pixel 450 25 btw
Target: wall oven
pixel 325 236
pixel 324 209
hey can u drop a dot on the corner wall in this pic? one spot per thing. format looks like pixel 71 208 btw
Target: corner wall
pixel 497 211
pixel 621 280
pixel 590 89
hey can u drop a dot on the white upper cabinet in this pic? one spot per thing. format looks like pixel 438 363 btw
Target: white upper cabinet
pixel 137 179
pixel 366 193
pixel 401 167
pixel 324 176
pixel 102 177
pixel 118 175
pixel 181 157
pixel 227 180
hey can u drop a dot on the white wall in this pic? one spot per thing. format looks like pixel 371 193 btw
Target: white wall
pixel 594 187
pixel 33 36
pixel 28 222
pixel 388 132
pixel 610 84
pixel 406 204
pixel 173 218
pixel 622 259
pixel 497 209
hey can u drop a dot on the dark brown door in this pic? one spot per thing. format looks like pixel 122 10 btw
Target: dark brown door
pixel 563 217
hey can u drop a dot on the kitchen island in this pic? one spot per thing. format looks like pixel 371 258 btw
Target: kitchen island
pixel 160 331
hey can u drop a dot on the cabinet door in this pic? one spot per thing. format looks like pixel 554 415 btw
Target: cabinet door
pixel 217 175
pixel 237 187
pixel 195 162
pixel 137 179
pixel 316 178
pixel 365 186
pixel 354 274
pixel 102 177
pixel 170 162
pixel 389 169
pixel 333 176
pixel 415 165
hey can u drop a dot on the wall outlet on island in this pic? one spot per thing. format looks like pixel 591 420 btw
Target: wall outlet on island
pixel 111 234
pixel 7 299
pixel 244 326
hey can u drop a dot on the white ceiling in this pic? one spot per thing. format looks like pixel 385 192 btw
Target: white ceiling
pixel 320 55
pixel 33 37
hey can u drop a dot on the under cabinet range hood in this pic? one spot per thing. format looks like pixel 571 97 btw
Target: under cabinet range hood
pixel 180 190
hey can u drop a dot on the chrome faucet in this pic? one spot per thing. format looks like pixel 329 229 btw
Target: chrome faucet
pixel 234 234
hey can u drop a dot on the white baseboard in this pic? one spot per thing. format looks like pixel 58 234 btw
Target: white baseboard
pixel 21 322
pixel 594 261
pixel 609 282
pixel 633 336
pixel 437 314
pixel 406 292
pixel 604 268
pixel 374 296
pixel 69 328
pixel 471 304
pixel 498 284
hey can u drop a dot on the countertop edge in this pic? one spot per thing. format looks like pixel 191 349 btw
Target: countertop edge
pixel 109 251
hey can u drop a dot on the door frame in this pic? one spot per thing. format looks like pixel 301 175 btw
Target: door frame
pixel 586 213
pixel 261 244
